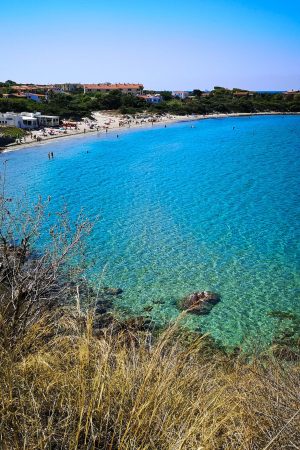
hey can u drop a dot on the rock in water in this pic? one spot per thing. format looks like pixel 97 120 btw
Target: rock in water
pixel 112 291
pixel 200 302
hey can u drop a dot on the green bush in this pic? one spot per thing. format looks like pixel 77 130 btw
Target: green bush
pixel 9 135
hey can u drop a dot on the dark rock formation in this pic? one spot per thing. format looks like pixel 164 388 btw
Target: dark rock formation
pixel 104 306
pixel 200 302
pixel 112 291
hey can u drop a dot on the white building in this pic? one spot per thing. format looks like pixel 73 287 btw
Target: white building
pixel 28 121
pixel 68 87
pixel 19 120
pixel 180 94
pixel 47 121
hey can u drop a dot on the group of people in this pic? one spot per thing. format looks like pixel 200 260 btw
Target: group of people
pixel 50 155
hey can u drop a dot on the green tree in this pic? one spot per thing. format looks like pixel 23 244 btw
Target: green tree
pixel 166 95
pixel 197 92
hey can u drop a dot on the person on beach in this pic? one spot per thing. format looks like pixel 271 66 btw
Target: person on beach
pixel 49 156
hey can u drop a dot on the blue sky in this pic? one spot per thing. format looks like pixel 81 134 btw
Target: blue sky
pixel 162 44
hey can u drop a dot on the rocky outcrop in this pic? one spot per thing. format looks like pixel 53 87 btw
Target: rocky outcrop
pixel 200 302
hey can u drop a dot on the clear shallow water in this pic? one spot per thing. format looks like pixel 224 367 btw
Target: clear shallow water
pixel 212 207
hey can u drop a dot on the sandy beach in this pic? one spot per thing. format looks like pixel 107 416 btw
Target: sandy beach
pixel 107 121
pixel 103 122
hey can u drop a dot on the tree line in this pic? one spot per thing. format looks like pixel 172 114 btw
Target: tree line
pixel 219 100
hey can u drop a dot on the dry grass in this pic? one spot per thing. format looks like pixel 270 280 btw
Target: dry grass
pixel 62 387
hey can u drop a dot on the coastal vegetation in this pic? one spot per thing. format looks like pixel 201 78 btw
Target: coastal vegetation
pixel 9 135
pixel 219 100
pixel 75 376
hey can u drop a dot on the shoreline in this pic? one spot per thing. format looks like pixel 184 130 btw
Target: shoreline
pixel 171 119
pixel 87 133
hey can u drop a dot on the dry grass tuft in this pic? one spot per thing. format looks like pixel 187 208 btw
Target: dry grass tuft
pixel 62 387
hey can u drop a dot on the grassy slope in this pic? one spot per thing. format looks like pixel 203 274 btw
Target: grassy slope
pixel 63 386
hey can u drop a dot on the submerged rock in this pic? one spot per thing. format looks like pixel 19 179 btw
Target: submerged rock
pixel 112 291
pixel 104 304
pixel 200 302
pixel 148 308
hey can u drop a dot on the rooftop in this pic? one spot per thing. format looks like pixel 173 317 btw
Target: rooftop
pixel 101 86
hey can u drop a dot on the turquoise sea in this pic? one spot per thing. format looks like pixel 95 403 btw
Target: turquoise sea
pixel 214 207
